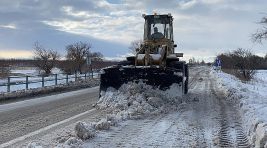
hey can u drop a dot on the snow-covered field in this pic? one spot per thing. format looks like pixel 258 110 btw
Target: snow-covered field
pixel 251 98
pixel 31 71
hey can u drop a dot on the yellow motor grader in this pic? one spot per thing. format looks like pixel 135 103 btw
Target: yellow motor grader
pixel 155 62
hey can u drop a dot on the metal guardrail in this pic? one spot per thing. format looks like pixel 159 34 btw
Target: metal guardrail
pixel 43 79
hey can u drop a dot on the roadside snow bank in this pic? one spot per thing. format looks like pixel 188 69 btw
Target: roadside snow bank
pixel 251 98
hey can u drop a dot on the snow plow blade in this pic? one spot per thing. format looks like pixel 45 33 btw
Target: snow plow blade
pixel 156 77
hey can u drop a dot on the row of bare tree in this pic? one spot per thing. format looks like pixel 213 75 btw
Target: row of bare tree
pixel 242 62
pixel 4 70
pixel 78 56
pixel 193 61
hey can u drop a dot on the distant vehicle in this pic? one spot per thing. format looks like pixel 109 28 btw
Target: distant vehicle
pixel 217 64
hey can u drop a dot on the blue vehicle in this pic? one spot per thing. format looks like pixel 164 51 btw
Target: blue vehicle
pixel 217 64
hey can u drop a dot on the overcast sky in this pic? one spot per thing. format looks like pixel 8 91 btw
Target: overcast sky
pixel 202 28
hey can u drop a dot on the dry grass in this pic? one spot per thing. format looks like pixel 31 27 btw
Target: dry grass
pixel 238 74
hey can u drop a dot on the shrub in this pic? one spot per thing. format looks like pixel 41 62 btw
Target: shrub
pixel 241 62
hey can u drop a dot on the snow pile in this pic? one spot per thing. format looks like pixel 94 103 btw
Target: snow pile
pixel 103 124
pixel 34 145
pixel 84 131
pixel 137 100
pixel 251 98
pixel 72 142
pixel 261 135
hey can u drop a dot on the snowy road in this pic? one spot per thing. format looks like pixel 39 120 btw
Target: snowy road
pixel 204 119
pixel 20 118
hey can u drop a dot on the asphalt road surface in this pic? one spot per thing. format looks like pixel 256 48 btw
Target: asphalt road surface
pixel 19 118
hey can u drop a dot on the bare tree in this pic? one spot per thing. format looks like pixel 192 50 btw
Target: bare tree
pixel 242 61
pixel 67 66
pixel 96 56
pixel 202 62
pixel 77 53
pixel 192 61
pixel 261 33
pixel 46 59
pixel 4 70
pixel 135 46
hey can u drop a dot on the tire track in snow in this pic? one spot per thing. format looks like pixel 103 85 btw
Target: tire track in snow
pixel 231 131
pixel 241 138
pixel 194 78
pixel 198 127
pixel 225 139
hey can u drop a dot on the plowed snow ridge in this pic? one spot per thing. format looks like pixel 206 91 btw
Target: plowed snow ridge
pixel 136 100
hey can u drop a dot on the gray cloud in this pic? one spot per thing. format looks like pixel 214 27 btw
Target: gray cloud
pixel 201 26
